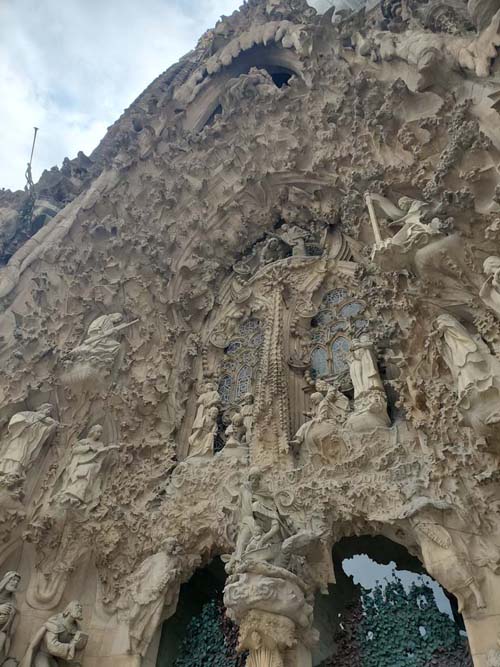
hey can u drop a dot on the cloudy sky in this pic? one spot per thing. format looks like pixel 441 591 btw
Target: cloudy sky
pixel 71 67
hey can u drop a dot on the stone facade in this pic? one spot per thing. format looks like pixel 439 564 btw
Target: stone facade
pixel 264 315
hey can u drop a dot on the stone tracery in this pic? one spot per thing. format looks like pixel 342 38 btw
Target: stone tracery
pixel 228 280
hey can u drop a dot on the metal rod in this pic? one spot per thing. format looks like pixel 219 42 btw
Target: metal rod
pixel 33 147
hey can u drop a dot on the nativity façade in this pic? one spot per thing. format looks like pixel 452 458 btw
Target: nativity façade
pixel 262 317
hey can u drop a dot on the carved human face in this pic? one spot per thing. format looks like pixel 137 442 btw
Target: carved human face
pixel 47 409
pixel 316 398
pixel 75 610
pixel 96 432
pixel 12 584
pixel 491 266
pixel 254 477
pixel 116 318
pixel 248 399
pixel 213 412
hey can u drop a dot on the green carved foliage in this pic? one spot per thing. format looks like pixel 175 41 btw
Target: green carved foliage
pixel 392 627
pixel 403 628
pixel 209 640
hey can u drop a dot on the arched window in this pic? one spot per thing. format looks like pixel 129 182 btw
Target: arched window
pixel 319 361
pixel 241 359
pixel 225 386
pixel 339 319
pixel 243 382
pixel 340 348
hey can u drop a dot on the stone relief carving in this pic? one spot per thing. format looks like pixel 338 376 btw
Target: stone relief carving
pixel 370 401
pixel 475 372
pixel 225 241
pixel 28 432
pixel 95 356
pixel 59 639
pixel 490 291
pixel 81 479
pixel 153 592
pixel 444 561
pixel 8 610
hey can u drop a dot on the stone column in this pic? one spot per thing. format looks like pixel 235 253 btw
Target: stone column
pixel 483 625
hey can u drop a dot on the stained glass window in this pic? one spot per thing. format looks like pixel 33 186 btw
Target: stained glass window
pixel 340 348
pixel 225 388
pixel 339 318
pixel 319 361
pixel 240 363
pixel 243 382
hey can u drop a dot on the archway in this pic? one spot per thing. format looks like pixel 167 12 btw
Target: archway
pixel 280 64
pixel 199 632
pixel 386 611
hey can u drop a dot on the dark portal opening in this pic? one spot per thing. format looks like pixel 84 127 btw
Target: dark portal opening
pixel 199 634
pixel 386 611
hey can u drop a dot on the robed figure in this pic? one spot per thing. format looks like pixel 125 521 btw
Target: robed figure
pixel 27 433
pixel 80 485
pixel 8 587
pixel 58 639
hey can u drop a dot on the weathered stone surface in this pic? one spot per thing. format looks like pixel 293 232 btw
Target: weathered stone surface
pixel 302 216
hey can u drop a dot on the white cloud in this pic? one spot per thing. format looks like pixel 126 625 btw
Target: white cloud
pixel 71 67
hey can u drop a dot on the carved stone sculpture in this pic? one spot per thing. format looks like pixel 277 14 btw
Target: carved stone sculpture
pixel 235 446
pixel 201 441
pixel 241 241
pixel 8 586
pixel 370 401
pixel 246 411
pixel 476 373
pixel 153 594
pixel 209 398
pixel 27 433
pixel 81 480
pixel 426 50
pixel 58 640
pixel 445 563
pixel 319 438
pixel 94 358
pixel 419 247
pixel 294 237
pixel 490 291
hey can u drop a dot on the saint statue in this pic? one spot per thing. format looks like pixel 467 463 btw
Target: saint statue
pixel 260 528
pixel 246 411
pixel 28 432
pixel 370 400
pixel 467 356
pixel 82 476
pixel 208 398
pixel 153 595
pixel 201 441
pixel 476 373
pixel 235 446
pixel 490 291
pixel 320 436
pixel 363 368
pixel 8 587
pixel 58 639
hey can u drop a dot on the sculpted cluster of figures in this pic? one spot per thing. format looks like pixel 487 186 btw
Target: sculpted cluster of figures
pixel 205 426
pixel 58 639
pixel 31 432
